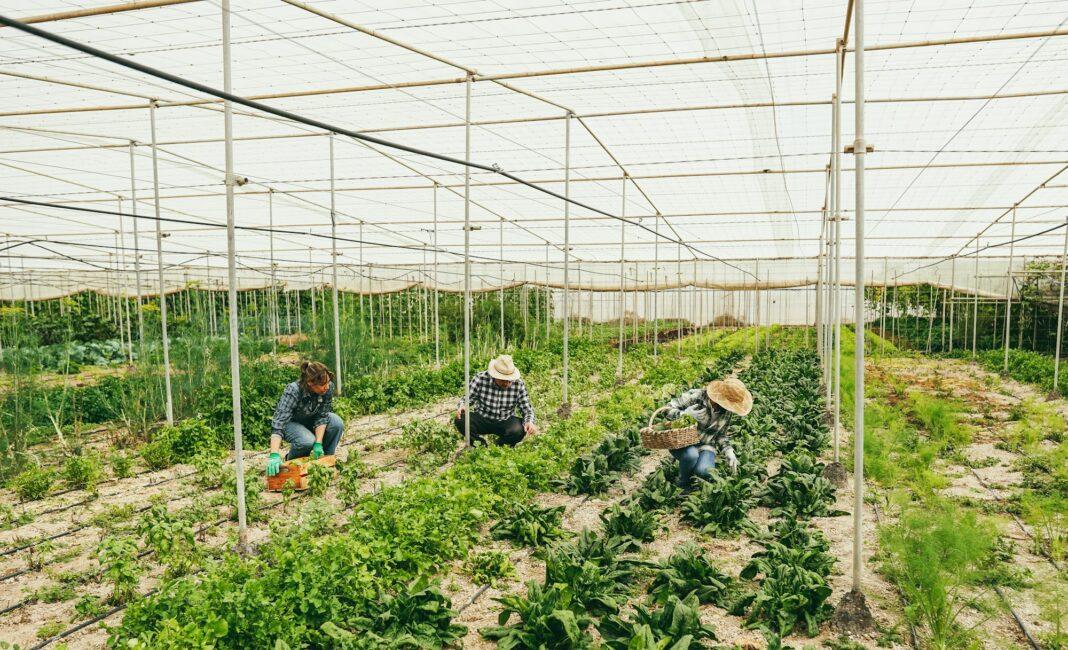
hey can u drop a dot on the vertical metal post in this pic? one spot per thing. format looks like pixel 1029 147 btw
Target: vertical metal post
pixel 437 313
pixel 500 273
pixel 137 253
pixel 1008 290
pixel 836 165
pixel 274 281
pixel 125 278
pixel 952 296
pixel 1060 318
pixel 548 293
pixel 567 250
pixel 975 301
pixel 623 256
pixel 859 151
pixel 314 289
pixel 235 353
pixel 333 271
pixel 656 282
pixel 159 264
pixel 467 265
pixel 819 299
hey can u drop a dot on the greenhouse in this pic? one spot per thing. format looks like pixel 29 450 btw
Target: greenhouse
pixel 622 324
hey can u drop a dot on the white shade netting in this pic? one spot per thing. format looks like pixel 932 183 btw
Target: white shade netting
pixel 965 112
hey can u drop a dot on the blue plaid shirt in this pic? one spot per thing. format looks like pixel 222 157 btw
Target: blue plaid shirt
pixel 496 403
pixel 303 406
pixel 712 419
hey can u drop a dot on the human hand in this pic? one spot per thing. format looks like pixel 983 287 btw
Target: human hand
pixel 317 451
pixel 732 460
pixel 693 411
pixel 459 413
pixel 530 428
pixel 274 464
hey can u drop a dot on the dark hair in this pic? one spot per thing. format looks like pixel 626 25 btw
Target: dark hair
pixel 313 372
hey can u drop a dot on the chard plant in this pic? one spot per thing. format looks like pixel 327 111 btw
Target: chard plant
pixel 719 506
pixel 675 625
pixel 530 525
pixel 548 617
pixel 632 524
pixel 689 571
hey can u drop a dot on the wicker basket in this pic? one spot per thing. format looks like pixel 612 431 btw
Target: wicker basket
pixel 670 438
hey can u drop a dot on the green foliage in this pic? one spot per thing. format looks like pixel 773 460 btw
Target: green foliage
pixel 489 567
pixel 319 477
pixel 430 442
pixel 83 471
pixel 253 494
pixel 208 466
pixel 171 537
pixel 659 491
pixel 529 525
pixel 939 419
pixel 933 553
pixel 419 616
pixel 118 561
pixel 33 483
pixel 799 489
pixel 689 571
pixel 350 477
pixel 88 606
pixel 719 505
pixel 549 619
pixel 591 568
pixel 632 524
pixel 594 472
pixel 50 629
pixel 121 465
pixel 676 625
pixel 589 475
pixel 10 519
pixel 54 593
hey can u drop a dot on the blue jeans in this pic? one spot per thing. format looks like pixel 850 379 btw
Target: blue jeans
pixel 301 438
pixel 693 462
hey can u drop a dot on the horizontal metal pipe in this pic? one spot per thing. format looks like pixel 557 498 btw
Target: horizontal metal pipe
pixel 101 11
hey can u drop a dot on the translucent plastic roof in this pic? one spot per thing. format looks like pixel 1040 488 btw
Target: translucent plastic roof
pixel 967 113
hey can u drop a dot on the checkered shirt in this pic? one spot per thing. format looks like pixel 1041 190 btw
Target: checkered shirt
pixel 712 420
pixel 303 406
pixel 496 403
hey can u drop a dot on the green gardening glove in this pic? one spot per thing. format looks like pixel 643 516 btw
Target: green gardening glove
pixel 274 464
pixel 317 450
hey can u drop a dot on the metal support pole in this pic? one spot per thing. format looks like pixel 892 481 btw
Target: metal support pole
pixel 235 352
pixel 437 313
pixel 274 281
pixel 622 256
pixel 1008 290
pixel 159 264
pixel 656 282
pixel 137 254
pixel 952 298
pixel 567 254
pixel 467 265
pixel 859 151
pixel 818 323
pixel 975 301
pixel 1060 318
pixel 333 272
pixel 836 170
pixel 500 274
pixel 125 279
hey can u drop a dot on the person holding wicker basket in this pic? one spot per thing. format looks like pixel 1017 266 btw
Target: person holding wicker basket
pixel 712 407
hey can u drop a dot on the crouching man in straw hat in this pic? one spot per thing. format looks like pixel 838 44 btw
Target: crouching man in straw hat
pixel 496 393
pixel 713 407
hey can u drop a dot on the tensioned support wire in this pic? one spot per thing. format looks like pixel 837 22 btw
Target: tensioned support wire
pixel 192 85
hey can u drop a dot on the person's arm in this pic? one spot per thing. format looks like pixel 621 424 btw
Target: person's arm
pixel 527 409
pixel 682 402
pixel 283 413
pixel 722 441
pixel 324 414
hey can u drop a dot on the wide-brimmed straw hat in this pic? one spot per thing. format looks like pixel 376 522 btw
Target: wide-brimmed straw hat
pixel 503 368
pixel 731 394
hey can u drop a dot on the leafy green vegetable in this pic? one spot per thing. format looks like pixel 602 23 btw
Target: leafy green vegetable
pixel 549 619
pixel 676 625
pixel 719 505
pixel 688 571
pixel 489 567
pixel 632 524
pixel 530 525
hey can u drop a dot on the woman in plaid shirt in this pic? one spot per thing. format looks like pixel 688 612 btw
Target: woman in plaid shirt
pixel 496 393
pixel 305 418
pixel 712 407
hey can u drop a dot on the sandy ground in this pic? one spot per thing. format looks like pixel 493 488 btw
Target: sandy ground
pixel 991 478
